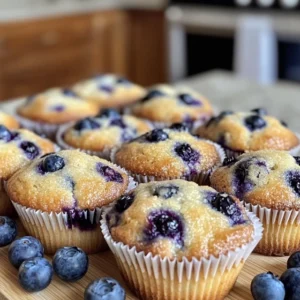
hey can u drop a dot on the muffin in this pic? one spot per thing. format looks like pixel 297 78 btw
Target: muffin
pixel 249 131
pixel 109 91
pixel 101 134
pixel 8 121
pixel 45 112
pixel 164 230
pixel 169 153
pixel 165 105
pixel 17 148
pixel 59 198
pixel 268 181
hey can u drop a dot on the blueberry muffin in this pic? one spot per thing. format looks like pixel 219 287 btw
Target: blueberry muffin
pixel 17 148
pixel 169 153
pixel 165 105
pixel 8 121
pixel 109 91
pixel 170 222
pixel 268 181
pixel 46 111
pixel 59 198
pixel 249 131
pixel 101 134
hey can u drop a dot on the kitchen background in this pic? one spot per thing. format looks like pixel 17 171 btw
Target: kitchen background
pixel 46 43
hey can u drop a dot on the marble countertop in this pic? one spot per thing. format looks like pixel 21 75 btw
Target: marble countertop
pixel 227 92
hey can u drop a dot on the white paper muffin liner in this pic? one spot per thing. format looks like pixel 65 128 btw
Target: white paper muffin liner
pixel 200 178
pixel 147 266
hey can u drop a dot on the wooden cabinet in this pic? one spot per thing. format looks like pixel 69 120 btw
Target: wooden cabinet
pixel 38 54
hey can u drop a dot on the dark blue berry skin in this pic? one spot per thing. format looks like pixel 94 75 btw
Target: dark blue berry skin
pixel 108 173
pixel 166 191
pixel 8 231
pixel 260 111
pixel 70 263
pixel 108 113
pixel 293 180
pixel 267 286
pixel 69 93
pixel 223 203
pixel 104 289
pixel 153 94
pixel 189 100
pixel 255 122
pixel 35 274
pixel 58 108
pixel 179 127
pixel 124 202
pixel 87 123
pixel 30 149
pixel 294 260
pixel 24 248
pixel 118 122
pixel 297 159
pixel 156 135
pixel 5 134
pixel 167 224
pixel 52 163
pixel 291 280
pixel 187 153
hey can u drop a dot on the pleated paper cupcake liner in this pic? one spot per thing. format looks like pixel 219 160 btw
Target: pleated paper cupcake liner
pixel 281 230
pixel 201 178
pixel 153 277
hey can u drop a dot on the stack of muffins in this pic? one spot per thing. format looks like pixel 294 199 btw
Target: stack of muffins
pixel 140 162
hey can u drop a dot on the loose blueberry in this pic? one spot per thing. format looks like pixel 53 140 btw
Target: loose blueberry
pixel 24 248
pixel 109 113
pixel 153 94
pixel 187 153
pixel 223 203
pixel 87 123
pixel 267 286
pixel 293 180
pixel 294 260
pixel 255 122
pixel 108 173
pixel 8 231
pixel 283 123
pixel 124 202
pixel 70 263
pixel 5 134
pixel 179 127
pixel 104 289
pixel 35 274
pixel 260 111
pixel 291 280
pixel 69 93
pixel 166 191
pixel 229 161
pixel 166 224
pixel 30 149
pixel 156 135
pixel 52 163
pixel 189 100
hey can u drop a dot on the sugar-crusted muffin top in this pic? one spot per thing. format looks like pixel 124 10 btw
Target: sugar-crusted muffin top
pixel 168 153
pixel 269 178
pixel 164 103
pixel 249 131
pixel 56 106
pixel 109 90
pixel 67 180
pixel 105 131
pixel 178 219
pixel 8 121
pixel 18 148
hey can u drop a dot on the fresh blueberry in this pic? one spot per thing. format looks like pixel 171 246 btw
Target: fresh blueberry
pixel 223 203
pixel 35 274
pixel 156 135
pixel 52 163
pixel 124 202
pixel 165 223
pixel 104 289
pixel 229 161
pixel 189 100
pixel 69 93
pixel 153 94
pixel 26 247
pixel 283 123
pixel 87 123
pixel 260 111
pixel 5 134
pixel 109 113
pixel 166 191
pixel 30 149
pixel 8 231
pixel 293 180
pixel 106 88
pixel 294 260
pixel 187 153
pixel 70 263
pixel 267 286
pixel 108 173
pixel 179 127
pixel 255 122
pixel 291 280
pixel 297 159
pixel 122 80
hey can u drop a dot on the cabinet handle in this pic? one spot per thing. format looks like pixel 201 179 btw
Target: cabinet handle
pixel 50 38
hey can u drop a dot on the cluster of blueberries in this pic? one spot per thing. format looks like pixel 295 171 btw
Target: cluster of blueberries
pixel 69 263
pixel 267 286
